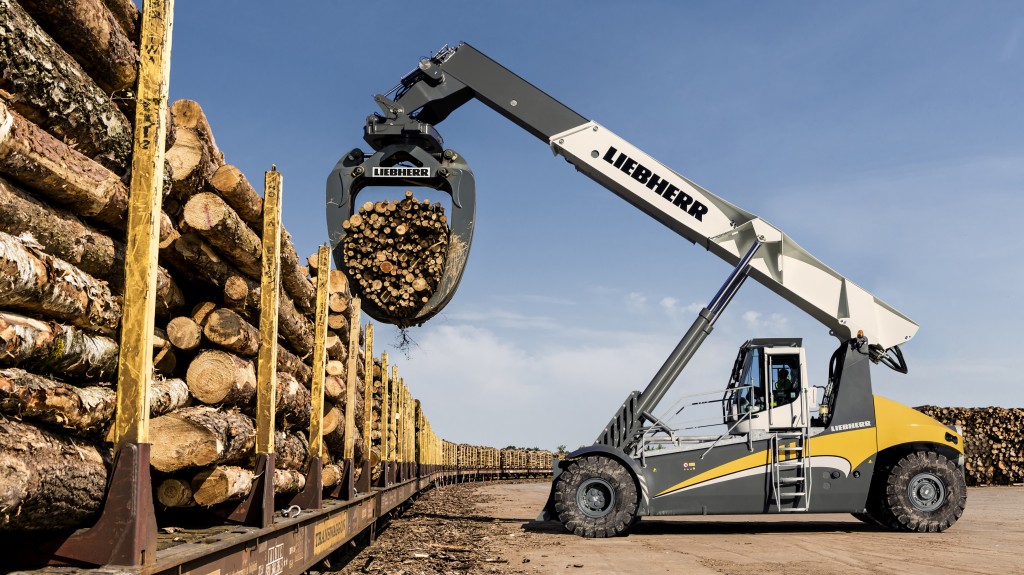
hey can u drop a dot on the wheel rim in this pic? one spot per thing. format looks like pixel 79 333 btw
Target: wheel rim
pixel 595 497
pixel 927 492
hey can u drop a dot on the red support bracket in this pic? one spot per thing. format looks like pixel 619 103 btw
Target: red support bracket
pixel 311 496
pixel 124 534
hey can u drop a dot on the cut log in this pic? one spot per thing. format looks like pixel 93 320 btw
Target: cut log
pixel 236 190
pixel 338 302
pixel 336 349
pixel 191 162
pixel 31 280
pixel 53 348
pixel 288 481
pixel 333 417
pixel 184 333
pixel 220 484
pixel 218 377
pixel 200 436
pixel 331 475
pixel 337 322
pixel 293 276
pixel 220 225
pixel 288 362
pixel 47 480
pixel 201 310
pixel 65 176
pixel 80 409
pixel 49 88
pixel 188 114
pixel 334 389
pixel 237 295
pixel 89 32
pixel 174 492
pixel 167 395
pixel 337 282
pixel 335 368
pixel 293 403
pixel 228 483
pixel 229 330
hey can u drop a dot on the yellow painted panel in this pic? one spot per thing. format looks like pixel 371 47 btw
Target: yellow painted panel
pixel 899 424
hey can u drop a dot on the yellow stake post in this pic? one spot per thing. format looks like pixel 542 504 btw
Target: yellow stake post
pixel 270 284
pixel 316 416
pixel 135 361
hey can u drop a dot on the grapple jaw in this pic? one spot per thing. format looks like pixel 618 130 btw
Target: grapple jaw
pixel 406 163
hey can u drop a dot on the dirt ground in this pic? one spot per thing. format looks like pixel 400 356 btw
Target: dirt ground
pixel 489 528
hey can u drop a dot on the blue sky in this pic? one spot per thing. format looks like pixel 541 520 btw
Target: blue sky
pixel 883 137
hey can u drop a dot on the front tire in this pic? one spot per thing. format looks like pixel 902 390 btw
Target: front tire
pixel 596 497
pixel 924 492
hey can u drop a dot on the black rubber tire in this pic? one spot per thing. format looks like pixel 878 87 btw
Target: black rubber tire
pixel 924 492
pixel 616 496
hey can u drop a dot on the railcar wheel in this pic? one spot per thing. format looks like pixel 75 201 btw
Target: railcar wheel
pixel 924 492
pixel 596 497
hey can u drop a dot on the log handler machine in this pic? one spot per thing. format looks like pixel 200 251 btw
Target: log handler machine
pixel 786 450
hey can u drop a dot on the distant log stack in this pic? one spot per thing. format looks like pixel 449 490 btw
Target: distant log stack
pixel 993 441
pixel 394 252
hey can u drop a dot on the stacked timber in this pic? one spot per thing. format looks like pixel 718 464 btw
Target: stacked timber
pixel 67 71
pixel 395 253
pixel 993 441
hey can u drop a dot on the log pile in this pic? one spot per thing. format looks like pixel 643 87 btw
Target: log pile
pixel 67 69
pixel 394 252
pixel 993 441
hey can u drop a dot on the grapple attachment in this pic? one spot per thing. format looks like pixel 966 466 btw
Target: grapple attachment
pixel 407 164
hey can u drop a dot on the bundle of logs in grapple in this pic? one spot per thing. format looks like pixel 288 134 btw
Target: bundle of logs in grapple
pixel 993 441
pixel 67 71
pixel 395 253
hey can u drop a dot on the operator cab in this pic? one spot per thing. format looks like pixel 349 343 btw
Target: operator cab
pixel 768 387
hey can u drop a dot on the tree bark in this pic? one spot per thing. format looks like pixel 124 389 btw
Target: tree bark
pixel 53 348
pixel 51 89
pixel 213 219
pixel 293 276
pixel 80 409
pixel 32 280
pixel 229 330
pixel 200 436
pixel 90 34
pixel 336 348
pixel 65 176
pixel 288 362
pixel 126 13
pixel 288 481
pixel 293 403
pixel 291 451
pixel 64 236
pixel 47 480
pixel 218 377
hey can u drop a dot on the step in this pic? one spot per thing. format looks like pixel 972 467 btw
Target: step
pixel 791 480
pixel 792 493
pixel 791 449
pixel 791 463
pixel 792 509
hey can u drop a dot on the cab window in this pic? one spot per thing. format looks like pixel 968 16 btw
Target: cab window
pixel 784 378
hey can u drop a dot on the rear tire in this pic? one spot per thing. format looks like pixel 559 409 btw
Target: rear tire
pixel 924 492
pixel 596 497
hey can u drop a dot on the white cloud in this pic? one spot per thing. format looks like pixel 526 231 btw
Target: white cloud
pixel 636 302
